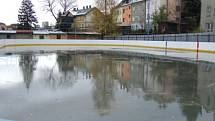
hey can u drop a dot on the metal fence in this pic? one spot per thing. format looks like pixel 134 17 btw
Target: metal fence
pixel 189 37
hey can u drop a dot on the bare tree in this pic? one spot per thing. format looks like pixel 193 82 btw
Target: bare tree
pixel 67 5
pixel 62 5
pixel 49 6
pixel 105 5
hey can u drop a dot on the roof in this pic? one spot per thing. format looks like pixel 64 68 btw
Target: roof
pixel 136 1
pixel 82 11
pixel 7 31
pixel 48 32
pixel 67 14
pixel 45 32
pixel 128 2
pixel 89 33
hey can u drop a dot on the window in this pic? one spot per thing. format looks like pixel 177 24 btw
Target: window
pixel 209 27
pixel 214 11
pixel 123 20
pixel 134 8
pixel 177 8
pixel 129 7
pixel 41 37
pixel 129 16
pixel 123 10
pixel 58 36
pixel 208 11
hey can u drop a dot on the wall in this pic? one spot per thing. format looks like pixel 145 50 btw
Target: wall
pixel 173 13
pixel 79 22
pixel 184 50
pixel 126 17
pixel 180 46
pixel 118 13
pixel 138 15
pixel 208 15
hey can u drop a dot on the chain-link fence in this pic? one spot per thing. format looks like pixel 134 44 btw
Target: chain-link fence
pixel 189 37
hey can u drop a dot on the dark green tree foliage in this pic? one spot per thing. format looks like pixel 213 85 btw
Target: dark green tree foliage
pixel 190 19
pixel 27 17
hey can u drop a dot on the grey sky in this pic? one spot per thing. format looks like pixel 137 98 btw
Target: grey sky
pixel 9 10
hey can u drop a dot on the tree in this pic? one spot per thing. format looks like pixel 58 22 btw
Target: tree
pixel 26 17
pixel 27 65
pixel 105 23
pixel 158 17
pixel 62 5
pixel 105 5
pixel 190 15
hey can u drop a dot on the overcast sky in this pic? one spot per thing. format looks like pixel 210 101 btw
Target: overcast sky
pixel 9 10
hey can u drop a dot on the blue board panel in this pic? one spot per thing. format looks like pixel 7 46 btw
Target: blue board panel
pixel 4 120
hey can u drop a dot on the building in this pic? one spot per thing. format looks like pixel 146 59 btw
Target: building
pixel 45 34
pixel 123 16
pixel 83 19
pixel 138 15
pixel 118 15
pixel 49 35
pixel 126 17
pixel 45 25
pixel 13 27
pixel 3 26
pixel 7 34
pixel 64 21
pixel 208 15
pixel 151 7
pixel 181 16
pixel 16 34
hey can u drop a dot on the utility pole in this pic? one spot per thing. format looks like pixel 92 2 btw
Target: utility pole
pixel 105 17
pixel 180 13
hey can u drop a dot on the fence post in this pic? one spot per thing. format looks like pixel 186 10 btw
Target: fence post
pixel 209 37
pixel 197 54
pixel 197 43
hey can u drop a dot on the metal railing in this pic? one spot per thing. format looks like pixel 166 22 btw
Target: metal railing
pixel 188 37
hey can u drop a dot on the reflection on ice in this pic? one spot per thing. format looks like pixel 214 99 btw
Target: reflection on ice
pixel 110 85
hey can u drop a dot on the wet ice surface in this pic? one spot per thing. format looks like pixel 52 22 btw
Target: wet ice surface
pixel 104 86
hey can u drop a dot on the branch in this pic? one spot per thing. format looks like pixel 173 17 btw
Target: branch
pixel 49 6
pixel 67 4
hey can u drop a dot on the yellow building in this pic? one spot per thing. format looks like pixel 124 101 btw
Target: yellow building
pixel 83 19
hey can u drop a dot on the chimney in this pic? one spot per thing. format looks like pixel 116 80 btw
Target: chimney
pixel 86 7
pixel 74 9
pixel 90 6
pixel 83 7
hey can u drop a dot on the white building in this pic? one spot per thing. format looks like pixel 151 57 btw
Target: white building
pixel 45 24
pixel 151 7
pixel 208 15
